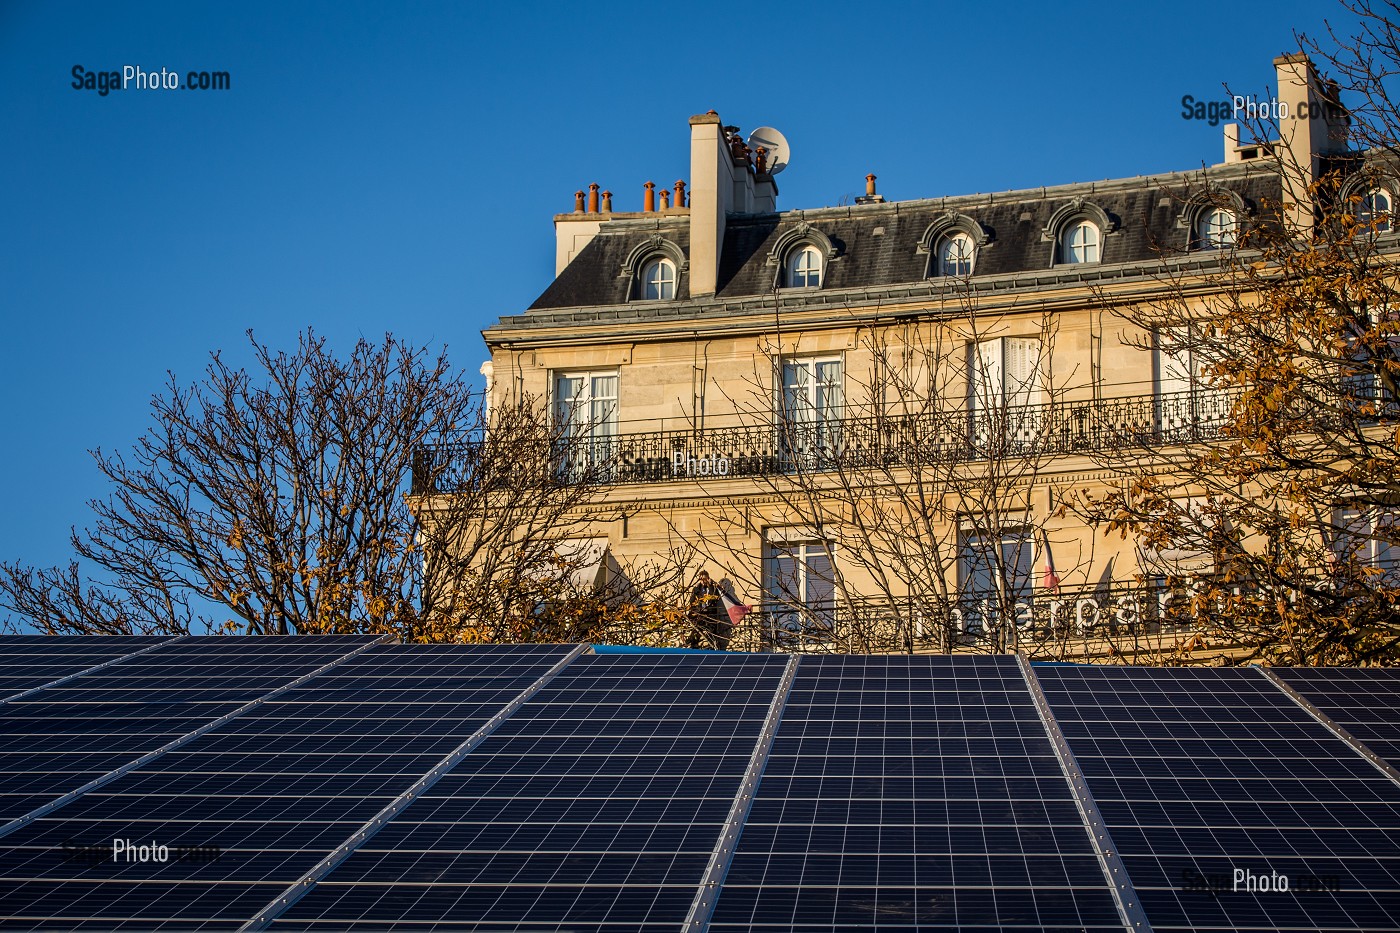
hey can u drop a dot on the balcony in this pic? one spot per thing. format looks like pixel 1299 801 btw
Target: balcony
pixel 1039 622
pixel 863 442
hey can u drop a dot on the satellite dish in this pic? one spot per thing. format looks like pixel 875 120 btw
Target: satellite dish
pixel 775 146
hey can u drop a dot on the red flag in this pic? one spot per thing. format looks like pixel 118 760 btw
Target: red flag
pixel 1051 580
pixel 736 611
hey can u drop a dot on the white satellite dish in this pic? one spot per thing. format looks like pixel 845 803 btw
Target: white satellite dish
pixel 775 146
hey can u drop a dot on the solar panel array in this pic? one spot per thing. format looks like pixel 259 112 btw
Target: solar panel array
pixel 342 784
pixel 1364 701
pixel 1214 784
pixel 913 791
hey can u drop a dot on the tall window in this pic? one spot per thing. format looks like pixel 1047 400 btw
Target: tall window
pixel 1369 536
pixel 1080 243
pixel 799 587
pixel 809 411
pixel 1185 403
pixel 994 575
pixel 1215 229
pixel 804 267
pixel 1004 389
pixel 585 408
pixel 955 255
pixel 1374 210
pixel 659 280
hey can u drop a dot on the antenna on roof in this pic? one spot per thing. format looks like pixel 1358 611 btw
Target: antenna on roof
pixel 775 146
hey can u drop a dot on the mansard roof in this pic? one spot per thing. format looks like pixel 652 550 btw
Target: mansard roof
pixel 885 246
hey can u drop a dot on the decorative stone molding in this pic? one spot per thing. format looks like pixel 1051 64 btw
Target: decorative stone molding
pixel 1078 209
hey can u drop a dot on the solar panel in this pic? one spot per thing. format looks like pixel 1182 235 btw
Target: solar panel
pixel 596 806
pixel 1364 701
pixel 60 738
pixel 1215 785
pixel 910 792
pixel 247 808
pixel 31 661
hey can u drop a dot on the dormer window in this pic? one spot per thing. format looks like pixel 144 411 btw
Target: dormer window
pixel 1215 229
pixel 955 255
pixel 1373 213
pixel 658 281
pixel 1080 243
pixel 804 267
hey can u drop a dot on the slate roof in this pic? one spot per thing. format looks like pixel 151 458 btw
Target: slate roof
pixel 878 245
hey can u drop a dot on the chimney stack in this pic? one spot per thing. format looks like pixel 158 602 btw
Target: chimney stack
pixel 870 196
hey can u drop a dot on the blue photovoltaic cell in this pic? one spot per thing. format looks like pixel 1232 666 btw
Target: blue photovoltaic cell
pixel 58 739
pixel 29 661
pixel 913 793
pixel 1363 701
pixel 1201 774
pixel 247 808
pixel 594 807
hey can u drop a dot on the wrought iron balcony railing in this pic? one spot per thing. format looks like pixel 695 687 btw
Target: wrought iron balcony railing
pixel 869 441
pixel 973 620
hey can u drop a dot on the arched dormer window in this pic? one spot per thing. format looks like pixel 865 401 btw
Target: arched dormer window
pixel 1078 230
pixel 1080 243
pixel 1369 197
pixel 803 268
pixel 952 243
pixel 1373 210
pixel 1215 229
pixel 956 254
pixel 1213 218
pixel 802 255
pixel 653 269
pixel 658 281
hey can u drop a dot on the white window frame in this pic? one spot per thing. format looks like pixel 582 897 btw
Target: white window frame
pixel 1081 250
pixel 1015 532
pixel 1005 387
pixel 805 267
pixel 587 417
pixel 957 256
pixel 808 410
pixel 809 614
pixel 1357 533
pixel 658 280
pixel 1370 210
pixel 1216 228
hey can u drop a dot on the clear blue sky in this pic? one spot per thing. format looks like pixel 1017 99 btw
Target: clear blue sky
pixel 380 166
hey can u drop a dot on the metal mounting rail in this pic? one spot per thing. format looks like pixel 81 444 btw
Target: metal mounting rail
pixel 110 776
pixel 707 895
pixel 1332 726
pixel 1124 894
pixel 167 640
pixel 303 885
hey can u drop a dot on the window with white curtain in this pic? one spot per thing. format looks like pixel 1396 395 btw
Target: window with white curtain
pixel 585 408
pixel 810 407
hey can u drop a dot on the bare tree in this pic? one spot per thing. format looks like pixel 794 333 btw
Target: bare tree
pixel 276 499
